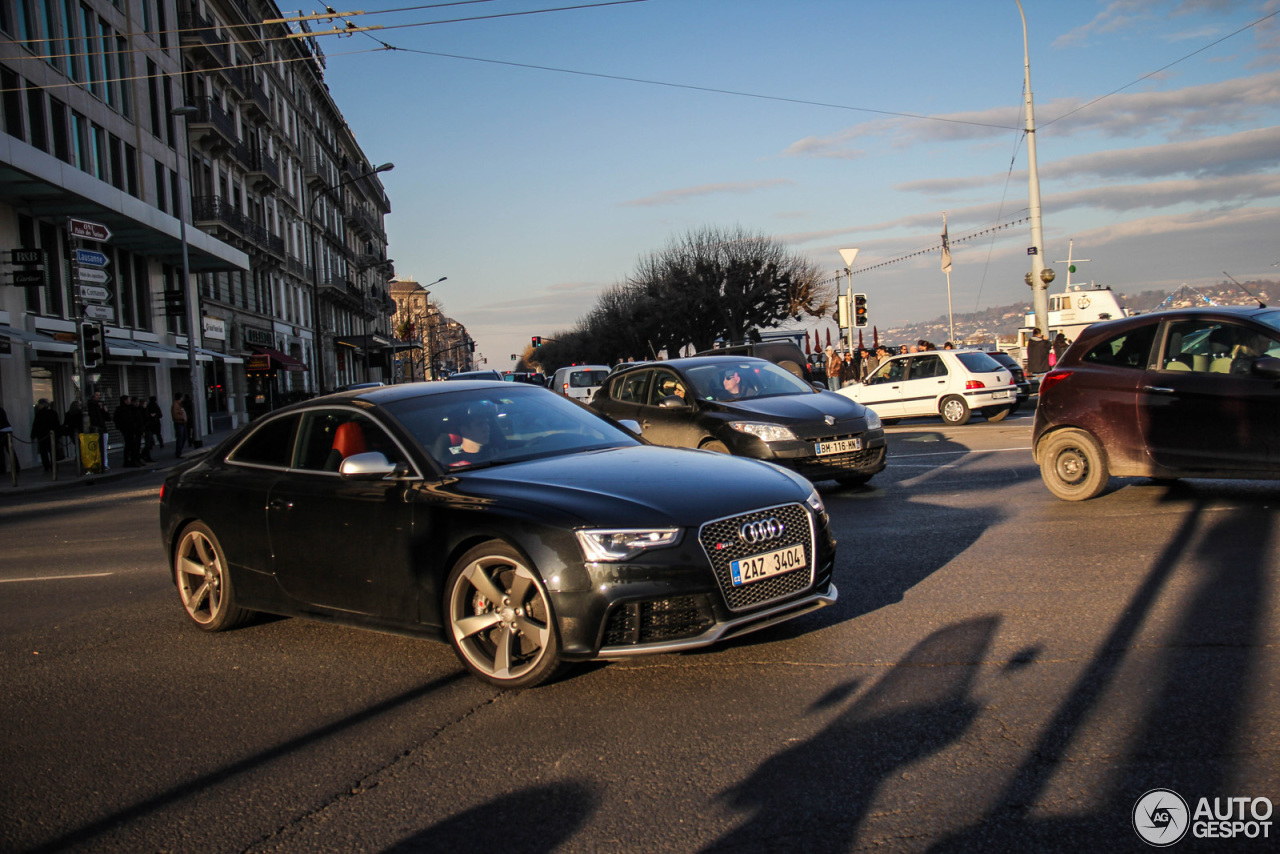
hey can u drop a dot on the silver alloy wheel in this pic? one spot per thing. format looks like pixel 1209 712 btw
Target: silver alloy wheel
pixel 500 618
pixel 954 410
pixel 200 576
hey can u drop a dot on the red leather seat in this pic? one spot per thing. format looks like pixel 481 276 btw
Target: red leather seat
pixel 348 439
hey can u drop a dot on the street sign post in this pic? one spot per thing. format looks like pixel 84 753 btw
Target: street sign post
pixel 91 258
pixel 88 230
pixel 93 292
pixel 91 274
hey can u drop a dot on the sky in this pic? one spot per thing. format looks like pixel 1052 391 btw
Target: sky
pixel 538 157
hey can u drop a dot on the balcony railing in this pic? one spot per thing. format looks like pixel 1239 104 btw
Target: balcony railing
pixel 197 31
pixel 211 115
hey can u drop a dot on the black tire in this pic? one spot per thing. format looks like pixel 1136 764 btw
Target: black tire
pixel 499 618
pixel 204 582
pixel 715 445
pixel 851 480
pixel 954 410
pixel 997 413
pixel 1073 465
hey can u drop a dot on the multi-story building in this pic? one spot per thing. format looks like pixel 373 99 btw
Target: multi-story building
pixel 100 103
pixel 432 345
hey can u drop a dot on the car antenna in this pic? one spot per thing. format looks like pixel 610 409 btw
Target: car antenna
pixel 1261 304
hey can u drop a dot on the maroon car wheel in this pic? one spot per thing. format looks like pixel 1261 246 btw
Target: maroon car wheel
pixel 1073 465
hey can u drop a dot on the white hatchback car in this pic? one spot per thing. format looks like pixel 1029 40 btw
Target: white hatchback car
pixel 580 382
pixel 950 383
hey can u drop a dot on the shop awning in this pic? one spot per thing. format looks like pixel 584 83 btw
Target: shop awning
pixel 279 360
pixel 37 340
pixel 203 355
pixel 121 347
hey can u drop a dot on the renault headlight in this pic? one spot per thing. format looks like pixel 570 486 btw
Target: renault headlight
pixel 764 432
pixel 614 545
pixel 873 420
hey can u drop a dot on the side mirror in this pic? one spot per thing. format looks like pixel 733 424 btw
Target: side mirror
pixel 672 401
pixel 1266 366
pixel 370 465
pixel 632 425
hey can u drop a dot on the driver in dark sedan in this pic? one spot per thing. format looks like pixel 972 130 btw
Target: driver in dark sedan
pixel 468 442
pixel 733 385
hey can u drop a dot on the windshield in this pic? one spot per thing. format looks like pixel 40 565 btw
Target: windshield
pixel 476 428
pixel 978 363
pixel 733 379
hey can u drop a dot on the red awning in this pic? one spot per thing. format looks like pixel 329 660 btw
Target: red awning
pixel 280 360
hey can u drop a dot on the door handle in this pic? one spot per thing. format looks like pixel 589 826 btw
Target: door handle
pixel 1157 389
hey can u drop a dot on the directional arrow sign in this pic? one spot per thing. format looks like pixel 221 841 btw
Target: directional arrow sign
pixel 88 230
pixel 90 258
pixel 93 292
pixel 100 312
pixel 91 274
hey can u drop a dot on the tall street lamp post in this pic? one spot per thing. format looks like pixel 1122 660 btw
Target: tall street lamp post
pixel 316 340
pixel 193 298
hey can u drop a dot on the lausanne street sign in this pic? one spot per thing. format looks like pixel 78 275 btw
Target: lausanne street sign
pixel 87 230
pixel 91 258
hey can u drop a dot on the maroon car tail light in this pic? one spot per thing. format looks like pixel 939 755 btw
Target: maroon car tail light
pixel 1051 379
pixel 972 384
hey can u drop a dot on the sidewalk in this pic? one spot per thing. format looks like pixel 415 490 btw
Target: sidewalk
pixel 34 479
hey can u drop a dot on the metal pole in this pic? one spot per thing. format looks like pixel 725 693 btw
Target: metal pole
pixel 317 350
pixel 194 430
pixel 1039 288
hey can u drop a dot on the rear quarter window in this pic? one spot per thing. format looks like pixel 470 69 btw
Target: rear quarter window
pixel 271 444
pixel 1131 349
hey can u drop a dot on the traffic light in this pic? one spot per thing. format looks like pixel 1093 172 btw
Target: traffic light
pixel 90 344
pixel 859 309
pixel 537 341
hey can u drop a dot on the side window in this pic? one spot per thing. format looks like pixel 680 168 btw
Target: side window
pixel 923 367
pixel 1212 347
pixel 329 436
pixel 894 371
pixel 269 445
pixel 634 388
pixel 1129 350
pixel 665 384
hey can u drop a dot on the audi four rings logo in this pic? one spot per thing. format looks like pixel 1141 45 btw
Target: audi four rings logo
pixel 752 533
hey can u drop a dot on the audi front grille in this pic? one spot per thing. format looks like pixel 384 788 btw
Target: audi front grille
pixel 722 543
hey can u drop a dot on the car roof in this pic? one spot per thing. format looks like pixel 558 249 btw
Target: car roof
pixel 1220 312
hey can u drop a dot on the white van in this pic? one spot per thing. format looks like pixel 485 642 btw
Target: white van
pixel 580 381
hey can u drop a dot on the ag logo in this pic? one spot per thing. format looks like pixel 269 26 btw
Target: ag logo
pixel 1160 817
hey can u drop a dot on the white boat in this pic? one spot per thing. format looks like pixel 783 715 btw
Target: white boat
pixel 1077 307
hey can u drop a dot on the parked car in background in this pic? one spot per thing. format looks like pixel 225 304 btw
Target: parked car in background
pixel 557 537
pixel 1171 394
pixel 1019 375
pixel 475 375
pixel 529 377
pixel 751 408
pixel 949 383
pixel 784 354
pixel 581 382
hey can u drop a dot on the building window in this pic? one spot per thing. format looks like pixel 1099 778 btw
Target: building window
pixel 35 117
pixel 161 201
pixel 117 161
pixel 73 51
pixel 131 170
pixel 92 61
pixel 176 190
pixel 98 153
pixel 60 122
pixel 122 275
pixel 153 81
pixel 79 141
pixel 124 72
pixel 11 106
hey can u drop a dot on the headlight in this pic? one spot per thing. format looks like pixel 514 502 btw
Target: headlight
pixel 815 502
pixel 765 432
pixel 873 420
pixel 599 545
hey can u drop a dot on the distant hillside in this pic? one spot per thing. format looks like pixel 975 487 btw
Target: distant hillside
pixel 1001 323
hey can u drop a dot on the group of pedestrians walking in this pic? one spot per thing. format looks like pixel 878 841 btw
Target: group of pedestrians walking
pixel 139 422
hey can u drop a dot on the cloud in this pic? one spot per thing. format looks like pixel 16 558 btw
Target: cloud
pixel 1192 109
pixel 671 197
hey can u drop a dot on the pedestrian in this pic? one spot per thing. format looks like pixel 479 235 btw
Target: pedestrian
pixel 44 432
pixel 155 423
pixel 1060 345
pixel 833 365
pixel 848 374
pixel 73 426
pixel 145 440
pixel 1037 353
pixel 6 444
pixel 193 432
pixel 129 425
pixel 98 419
pixel 179 416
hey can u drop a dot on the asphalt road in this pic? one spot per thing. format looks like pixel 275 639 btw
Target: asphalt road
pixel 1003 671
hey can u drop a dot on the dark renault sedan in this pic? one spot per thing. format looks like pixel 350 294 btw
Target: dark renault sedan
pixel 1171 394
pixel 751 408
pixel 508 520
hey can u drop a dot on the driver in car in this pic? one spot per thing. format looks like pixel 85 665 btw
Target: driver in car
pixel 735 388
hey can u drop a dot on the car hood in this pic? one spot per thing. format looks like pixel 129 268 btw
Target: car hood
pixel 639 486
pixel 795 408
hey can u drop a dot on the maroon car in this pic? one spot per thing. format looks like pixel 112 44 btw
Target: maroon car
pixel 1166 395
